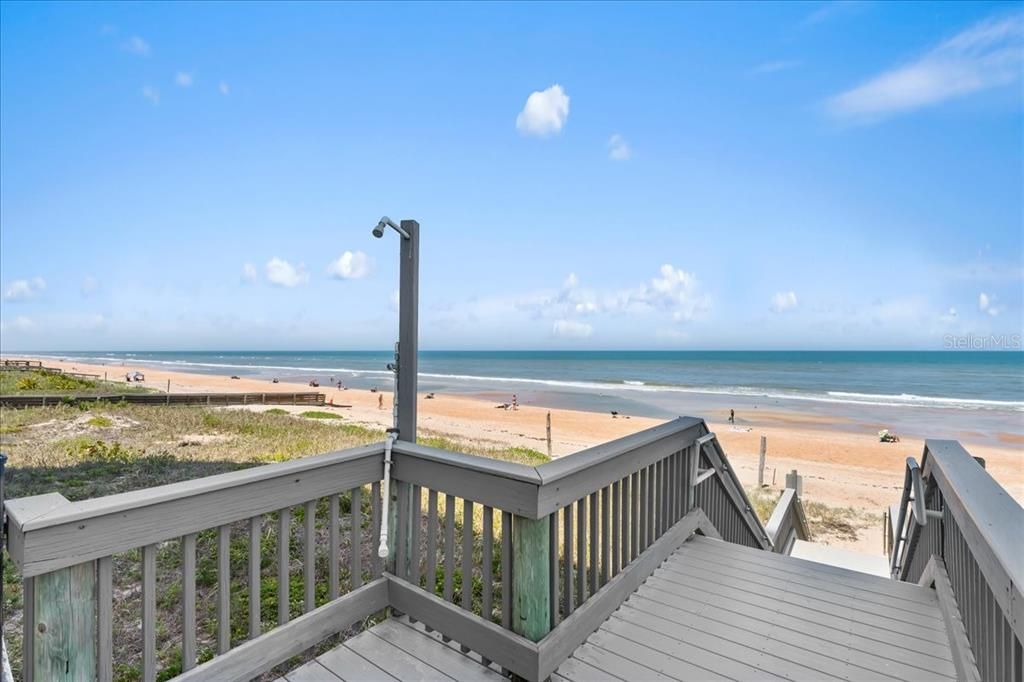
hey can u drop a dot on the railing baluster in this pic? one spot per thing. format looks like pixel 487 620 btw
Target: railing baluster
pixel 594 538
pixel 650 507
pixel 449 550
pixel 149 613
pixel 401 538
pixel 309 556
pixel 375 527
pixel 553 567
pixel 449 545
pixel 506 570
pixel 104 619
pixel 467 558
pixel 188 601
pixel 642 542
pixel 223 589
pixel 432 542
pixel 355 542
pixel 567 551
pixel 284 533
pixel 627 507
pixel 616 528
pixel 416 519
pixel 334 546
pixel 581 550
pixel 606 514
pixel 255 537
pixel 634 515
pixel 487 565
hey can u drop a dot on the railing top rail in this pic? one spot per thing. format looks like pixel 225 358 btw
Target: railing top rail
pixel 111 504
pixel 494 467
pixel 980 503
pixel 564 467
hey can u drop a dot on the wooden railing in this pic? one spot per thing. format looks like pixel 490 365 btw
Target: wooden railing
pixel 958 530
pixel 788 522
pixel 518 563
pixel 212 399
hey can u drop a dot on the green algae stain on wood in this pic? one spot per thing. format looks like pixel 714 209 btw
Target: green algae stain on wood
pixel 531 605
pixel 65 631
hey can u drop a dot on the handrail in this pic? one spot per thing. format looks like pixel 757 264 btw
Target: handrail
pixel 732 483
pixel 47 532
pixel 787 522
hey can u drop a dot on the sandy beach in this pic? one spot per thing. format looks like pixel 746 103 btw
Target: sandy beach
pixel 840 466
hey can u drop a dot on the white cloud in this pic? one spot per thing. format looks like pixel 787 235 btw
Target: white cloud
pixel 676 291
pixel 987 304
pixel 571 281
pixel 783 301
pixel 24 289
pixel 137 45
pixel 249 274
pixel 571 329
pixel 19 323
pixel 284 274
pixel 224 88
pixel 350 265
pixel 986 55
pixel 618 148
pixel 183 79
pixel 774 67
pixel 151 94
pixel 90 285
pixel 544 113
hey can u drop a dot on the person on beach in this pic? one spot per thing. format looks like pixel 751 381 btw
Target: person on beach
pixel 380 401
pixel 515 402
pixel 732 416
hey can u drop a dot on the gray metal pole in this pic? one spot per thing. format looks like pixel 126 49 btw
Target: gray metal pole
pixel 408 321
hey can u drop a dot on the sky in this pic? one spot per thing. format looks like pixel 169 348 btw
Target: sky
pixel 586 176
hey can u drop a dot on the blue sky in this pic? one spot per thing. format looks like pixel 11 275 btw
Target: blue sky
pixel 842 175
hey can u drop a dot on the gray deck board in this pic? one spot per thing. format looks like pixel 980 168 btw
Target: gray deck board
pixel 312 671
pixel 351 667
pixel 711 611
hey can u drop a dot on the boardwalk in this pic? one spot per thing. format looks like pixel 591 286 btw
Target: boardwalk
pixel 712 611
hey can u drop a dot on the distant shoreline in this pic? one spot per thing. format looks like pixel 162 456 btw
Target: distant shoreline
pixel 840 457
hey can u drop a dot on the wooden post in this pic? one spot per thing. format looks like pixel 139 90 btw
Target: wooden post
pixel 64 634
pixel 408 325
pixel 549 435
pixel 531 593
pixel 796 482
pixel 760 461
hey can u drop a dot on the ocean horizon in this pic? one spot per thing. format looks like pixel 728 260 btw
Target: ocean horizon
pixel 934 391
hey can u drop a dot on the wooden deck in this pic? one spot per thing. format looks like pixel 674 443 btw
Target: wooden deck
pixel 712 611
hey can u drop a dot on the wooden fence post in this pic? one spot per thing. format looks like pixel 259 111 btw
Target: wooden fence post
pixel 549 435
pixel 796 482
pixel 64 628
pixel 531 593
pixel 760 461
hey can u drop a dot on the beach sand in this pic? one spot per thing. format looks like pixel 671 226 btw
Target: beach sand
pixel 841 465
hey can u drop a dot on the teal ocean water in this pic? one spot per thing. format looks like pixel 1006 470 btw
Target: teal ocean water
pixel 885 386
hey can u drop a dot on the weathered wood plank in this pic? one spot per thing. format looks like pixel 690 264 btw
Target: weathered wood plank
pixel 506 570
pixel 104 619
pixel 255 571
pixel 616 526
pixel 553 576
pixel 355 540
pixel 561 642
pixel 415 521
pixel 284 565
pixel 188 602
pixel 148 613
pixel 223 589
pixel 567 556
pixel 309 555
pixel 90 529
pixel 594 547
pixel 275 646
pixel 392 659
pixel 508 649
pixel 334 547
pixel 467 558
pixel 413 641
pixel 311 671
pixel 375 513
pixel 581 550
pixel 63 640
pixel 431 582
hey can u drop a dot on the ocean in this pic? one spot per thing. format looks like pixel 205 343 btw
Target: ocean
pixel 956 391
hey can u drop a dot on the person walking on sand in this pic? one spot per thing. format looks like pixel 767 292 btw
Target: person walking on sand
pixel 732 416
pixel 380 401
pixel 515 402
